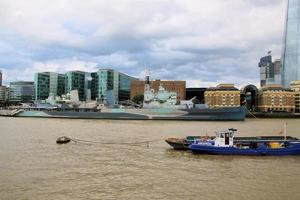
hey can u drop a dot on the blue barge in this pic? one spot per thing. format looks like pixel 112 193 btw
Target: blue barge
pixel 223 144
pixel 184 143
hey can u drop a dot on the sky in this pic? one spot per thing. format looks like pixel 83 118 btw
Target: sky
pixel 204 42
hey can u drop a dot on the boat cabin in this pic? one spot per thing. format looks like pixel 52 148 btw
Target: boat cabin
pixel 225 138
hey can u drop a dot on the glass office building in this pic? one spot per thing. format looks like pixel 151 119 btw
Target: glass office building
pixel 124 86
pixel 291 46
pixel 105 85
pixel 110 86
pixel 41 84
pixel 75 81
pixel 47 83
pixel 266 69
pixel 21 92
pixel 270 72
pixel 94 85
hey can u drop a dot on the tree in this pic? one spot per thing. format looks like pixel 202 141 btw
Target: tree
pixel 138 99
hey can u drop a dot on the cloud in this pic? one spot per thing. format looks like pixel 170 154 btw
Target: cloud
pixel 203 42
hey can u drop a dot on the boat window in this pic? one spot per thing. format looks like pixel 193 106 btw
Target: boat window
pixel 221 135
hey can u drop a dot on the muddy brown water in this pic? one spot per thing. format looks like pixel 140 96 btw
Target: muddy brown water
pixel 33 166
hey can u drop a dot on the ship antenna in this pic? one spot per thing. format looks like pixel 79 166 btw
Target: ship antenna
pixel 147 80
pixel 147 76
pixel 285 130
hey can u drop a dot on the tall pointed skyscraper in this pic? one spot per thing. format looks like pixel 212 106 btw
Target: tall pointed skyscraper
pixel 0 78
pixel 291 47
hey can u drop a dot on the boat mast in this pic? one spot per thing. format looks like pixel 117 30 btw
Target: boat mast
pixel 285 130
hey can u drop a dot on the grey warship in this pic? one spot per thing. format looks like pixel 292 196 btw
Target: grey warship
pixel 222 114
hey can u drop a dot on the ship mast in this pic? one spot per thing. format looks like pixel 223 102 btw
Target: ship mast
pixel 147 80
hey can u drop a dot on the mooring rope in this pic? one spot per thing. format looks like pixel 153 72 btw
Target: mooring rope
pixel 250 112
pixel 76 140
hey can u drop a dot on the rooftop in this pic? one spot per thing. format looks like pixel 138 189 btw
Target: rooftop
pixel 223 86
pixel 295 83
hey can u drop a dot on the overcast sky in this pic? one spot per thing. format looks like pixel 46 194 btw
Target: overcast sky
pixel 202 41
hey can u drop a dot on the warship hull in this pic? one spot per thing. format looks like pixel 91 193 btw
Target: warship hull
pixel 222 114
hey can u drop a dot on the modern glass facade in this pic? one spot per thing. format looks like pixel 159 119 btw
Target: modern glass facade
pixel 94 85
pixel 110 86
pixel 116 87
pixel 291 46
pixel 61 84
pixel 270 72
pixel 105 85
pixel 41 84
pixel 77 80
pixel 87 86
pixel 21 92
pixel 124 86
pixel 47 83
pixel 266 69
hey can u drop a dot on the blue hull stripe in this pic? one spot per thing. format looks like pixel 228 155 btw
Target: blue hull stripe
pixel 293 149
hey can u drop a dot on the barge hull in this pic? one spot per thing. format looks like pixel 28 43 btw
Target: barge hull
pixel 294 149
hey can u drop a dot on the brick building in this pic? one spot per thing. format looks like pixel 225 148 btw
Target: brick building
pixel 295 86
pixel 224 95
pixel 275 98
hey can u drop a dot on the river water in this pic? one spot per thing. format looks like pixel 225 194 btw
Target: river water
pixel 33 166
